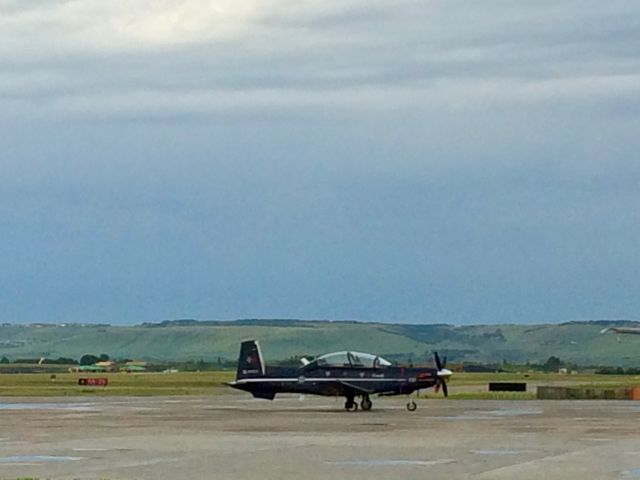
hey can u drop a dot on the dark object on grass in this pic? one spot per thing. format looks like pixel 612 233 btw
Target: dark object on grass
pixel 507 387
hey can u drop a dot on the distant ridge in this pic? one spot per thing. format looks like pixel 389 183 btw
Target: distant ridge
pixel 191 322
pixel 577 341
pixel 282 322
pixel 190 339
pixel 603 322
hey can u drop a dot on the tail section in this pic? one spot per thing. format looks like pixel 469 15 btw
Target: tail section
pixel 250 363
pixel 251 370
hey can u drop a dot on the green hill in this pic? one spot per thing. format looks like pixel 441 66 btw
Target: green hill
pixel 578 342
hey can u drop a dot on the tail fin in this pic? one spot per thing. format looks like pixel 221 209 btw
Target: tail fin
pixel 250 363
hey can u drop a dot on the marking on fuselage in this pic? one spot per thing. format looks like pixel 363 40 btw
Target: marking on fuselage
pixel 354 379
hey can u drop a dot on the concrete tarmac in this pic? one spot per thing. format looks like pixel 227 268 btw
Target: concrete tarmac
pixel 236 437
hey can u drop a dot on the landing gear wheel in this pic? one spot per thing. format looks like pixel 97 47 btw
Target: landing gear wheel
pixel 351 406
pixel 411 406
pixel 366 404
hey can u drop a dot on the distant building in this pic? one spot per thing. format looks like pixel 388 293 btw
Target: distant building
pixel 133 368
pixel 89 368
pixel 139 363
pixel 107 365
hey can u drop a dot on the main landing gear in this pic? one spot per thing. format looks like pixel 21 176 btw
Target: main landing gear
pixel 365 404
pixel 351 405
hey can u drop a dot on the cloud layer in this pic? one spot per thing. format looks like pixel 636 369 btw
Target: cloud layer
pixel 195 57
pixel 411 161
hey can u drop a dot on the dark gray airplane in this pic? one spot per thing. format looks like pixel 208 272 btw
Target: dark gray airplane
pixel 344 374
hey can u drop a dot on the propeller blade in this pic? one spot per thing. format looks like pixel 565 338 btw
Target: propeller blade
pixel 437 358
pixel 445 390
pixel 436 389
pixel 444 362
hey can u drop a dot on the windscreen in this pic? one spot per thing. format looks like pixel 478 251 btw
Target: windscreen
pixel 352 359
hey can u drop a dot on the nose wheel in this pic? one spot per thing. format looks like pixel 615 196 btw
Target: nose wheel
pixel 412 406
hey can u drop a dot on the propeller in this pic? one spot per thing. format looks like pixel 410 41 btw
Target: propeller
pixel 445 390
pixel 443 374
pixel 440 364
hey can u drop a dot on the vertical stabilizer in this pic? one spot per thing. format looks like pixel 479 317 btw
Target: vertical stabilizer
pixel 250 363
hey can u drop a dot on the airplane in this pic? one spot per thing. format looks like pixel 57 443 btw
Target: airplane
pixel 621 330
pixel 345 374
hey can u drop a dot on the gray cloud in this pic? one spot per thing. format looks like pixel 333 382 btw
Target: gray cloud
pixel 283 54
pixel 414 161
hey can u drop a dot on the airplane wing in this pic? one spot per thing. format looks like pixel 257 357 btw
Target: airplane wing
pixel 355 389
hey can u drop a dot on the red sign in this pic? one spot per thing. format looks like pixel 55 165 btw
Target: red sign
pixel 93 382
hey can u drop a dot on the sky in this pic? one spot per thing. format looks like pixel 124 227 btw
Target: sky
pixel 432 161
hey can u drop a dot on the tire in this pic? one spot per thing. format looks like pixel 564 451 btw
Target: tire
pixel 412 406
pixel 366 404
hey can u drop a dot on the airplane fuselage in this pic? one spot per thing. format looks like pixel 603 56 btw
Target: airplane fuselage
pixel 335 381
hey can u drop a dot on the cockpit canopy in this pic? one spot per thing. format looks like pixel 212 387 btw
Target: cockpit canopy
pixel 351 359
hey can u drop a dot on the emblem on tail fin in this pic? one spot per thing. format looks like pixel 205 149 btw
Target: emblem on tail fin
pixel 250 363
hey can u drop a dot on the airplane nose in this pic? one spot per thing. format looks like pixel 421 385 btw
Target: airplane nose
pixel 445 373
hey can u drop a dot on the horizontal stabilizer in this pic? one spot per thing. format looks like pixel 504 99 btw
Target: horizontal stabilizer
pixel 267 395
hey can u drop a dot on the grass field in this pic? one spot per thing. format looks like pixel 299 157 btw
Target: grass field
pixel 462 385
pixel 465 386
pixel 546 378
pixel 143 384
